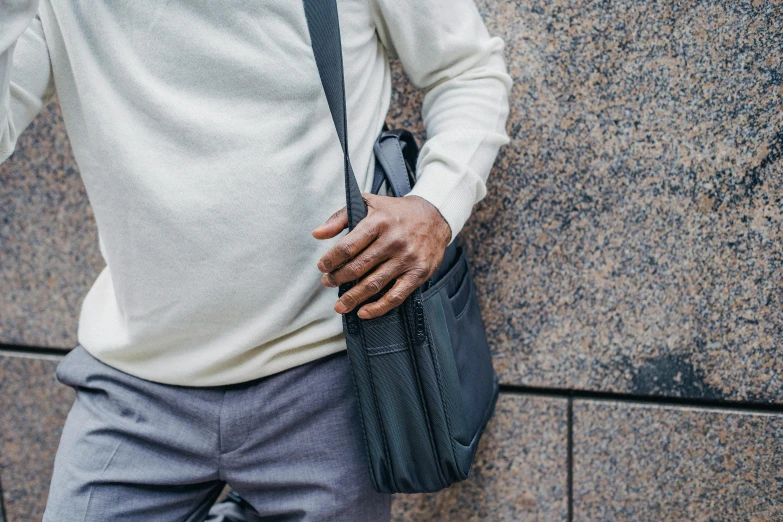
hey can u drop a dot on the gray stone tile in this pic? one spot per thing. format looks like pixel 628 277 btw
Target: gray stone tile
pixel 640 462
pixel 33 407
pixel 519 473
pixel 49 253
pixel 630 239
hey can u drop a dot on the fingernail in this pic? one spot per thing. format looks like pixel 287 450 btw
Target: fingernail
pixel 327 280
pixel 340 308
pixel 364 314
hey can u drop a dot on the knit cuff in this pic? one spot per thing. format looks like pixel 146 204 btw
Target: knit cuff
pixel 453 199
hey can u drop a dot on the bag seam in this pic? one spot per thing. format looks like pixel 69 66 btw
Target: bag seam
pixel 377 409
pixel 423 402
pixel 386 350
pixel 361 418
pixel 443 404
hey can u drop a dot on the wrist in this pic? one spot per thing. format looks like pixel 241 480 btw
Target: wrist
pixel 441 226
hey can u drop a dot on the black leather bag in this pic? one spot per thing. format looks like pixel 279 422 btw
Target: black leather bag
pixel 423 371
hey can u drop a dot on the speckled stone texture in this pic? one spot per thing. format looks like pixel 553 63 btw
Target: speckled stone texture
pixel 639 462
pixel 631 237
pixel 33 407
pixel 519 473
pixel 49 253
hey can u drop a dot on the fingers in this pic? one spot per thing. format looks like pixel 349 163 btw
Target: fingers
pixel 394 245
pixel 332 226
pixel 349 246
pixel 404 286
pixel 372 256
pixel 369 286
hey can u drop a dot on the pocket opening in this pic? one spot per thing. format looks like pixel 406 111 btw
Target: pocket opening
pixel 459 301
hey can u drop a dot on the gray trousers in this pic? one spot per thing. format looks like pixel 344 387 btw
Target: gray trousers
pixel 290 444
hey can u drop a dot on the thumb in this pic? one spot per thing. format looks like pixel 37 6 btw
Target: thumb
pixel 333 226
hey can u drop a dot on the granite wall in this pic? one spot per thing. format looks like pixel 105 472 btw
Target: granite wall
pixel 628 256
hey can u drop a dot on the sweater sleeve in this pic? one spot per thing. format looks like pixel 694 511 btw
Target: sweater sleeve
pixel 446 51
pixel 26 82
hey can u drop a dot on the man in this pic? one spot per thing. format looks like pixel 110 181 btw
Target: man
pixel 210 346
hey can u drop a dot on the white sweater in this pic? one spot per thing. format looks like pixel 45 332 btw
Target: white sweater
pixel 206 147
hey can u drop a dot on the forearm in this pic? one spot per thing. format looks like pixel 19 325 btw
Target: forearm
pixel 446 50
pixel 23 88
pixel 465 120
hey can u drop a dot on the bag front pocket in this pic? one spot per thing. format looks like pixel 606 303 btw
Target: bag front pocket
pixel 459 299
pixel 457 328
pixel 471 355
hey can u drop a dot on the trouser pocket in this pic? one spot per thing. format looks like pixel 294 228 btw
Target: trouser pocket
pixel 65 368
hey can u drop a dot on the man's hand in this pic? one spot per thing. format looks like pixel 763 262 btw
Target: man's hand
pixel 401 237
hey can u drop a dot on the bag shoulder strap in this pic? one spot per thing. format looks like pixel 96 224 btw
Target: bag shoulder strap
pixel 324 27
pixel 388 154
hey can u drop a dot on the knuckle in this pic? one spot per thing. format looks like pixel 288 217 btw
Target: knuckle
pixel 398 243
pixel 374 285
pixel 361 264
pixel 354 270
pixel 344 249
pixel 419 272
pixel 411 255
pixel 382 222
pixel 369 232
pixel 386 218
pixel 395 298
pixel 349 299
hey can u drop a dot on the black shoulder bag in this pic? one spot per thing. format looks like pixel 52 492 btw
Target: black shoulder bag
pixel 423 371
